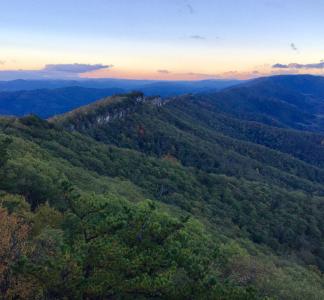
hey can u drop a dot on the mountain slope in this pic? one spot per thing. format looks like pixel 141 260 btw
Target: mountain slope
pixel 143 250
pixel 282 101
pixel 170 128
pixel 257 189
pixel 173 131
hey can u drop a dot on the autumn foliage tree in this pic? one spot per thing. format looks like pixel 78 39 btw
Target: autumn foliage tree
pixel 14 232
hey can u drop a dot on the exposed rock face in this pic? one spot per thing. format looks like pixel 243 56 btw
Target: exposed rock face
pixel 122 113
pixel 105 114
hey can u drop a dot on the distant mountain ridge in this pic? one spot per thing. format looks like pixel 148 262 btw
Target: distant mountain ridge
pixel 46 98
pixel 46 103
pixel 126 84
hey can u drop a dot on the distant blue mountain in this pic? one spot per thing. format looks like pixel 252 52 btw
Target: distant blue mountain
pixel 22 84
pixel 174 88
pixel 49 102
pixel 46 98
pixel 162 88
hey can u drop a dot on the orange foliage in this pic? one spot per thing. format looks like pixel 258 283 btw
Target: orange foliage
pixel 14 233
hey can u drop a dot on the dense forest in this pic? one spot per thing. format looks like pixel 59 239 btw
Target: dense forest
pixel 191 197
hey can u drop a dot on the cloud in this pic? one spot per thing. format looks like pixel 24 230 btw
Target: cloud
pixel 164 71
pixel 197 37
pixel 2 62
pixel 186 7
pixel 280 66
pixel 53 71
pixel 293 47
pixel 319 65
pixel 74 68
pixel 204 75
pixel 190 8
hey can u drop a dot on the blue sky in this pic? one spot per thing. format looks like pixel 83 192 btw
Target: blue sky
pixel 186 39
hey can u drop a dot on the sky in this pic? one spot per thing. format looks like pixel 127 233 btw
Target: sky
pixel 160 39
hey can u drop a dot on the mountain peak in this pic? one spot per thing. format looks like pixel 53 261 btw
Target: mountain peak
pixel 105 110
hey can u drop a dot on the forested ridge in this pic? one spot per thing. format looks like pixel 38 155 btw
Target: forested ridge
pixel 137 198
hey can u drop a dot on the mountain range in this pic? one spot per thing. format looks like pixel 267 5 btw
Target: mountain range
pixel 205 195
pixel 126 84
pixel 46 98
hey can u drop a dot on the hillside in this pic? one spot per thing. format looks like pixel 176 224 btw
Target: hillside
pixel 235 209
pixel 282 101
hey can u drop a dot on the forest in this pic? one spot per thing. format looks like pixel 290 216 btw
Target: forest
pixel 191 197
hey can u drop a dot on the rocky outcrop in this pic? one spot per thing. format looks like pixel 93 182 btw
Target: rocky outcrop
pixel 103 115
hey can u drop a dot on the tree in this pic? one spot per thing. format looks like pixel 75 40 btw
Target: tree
pixel 4 144
pixel 14 247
